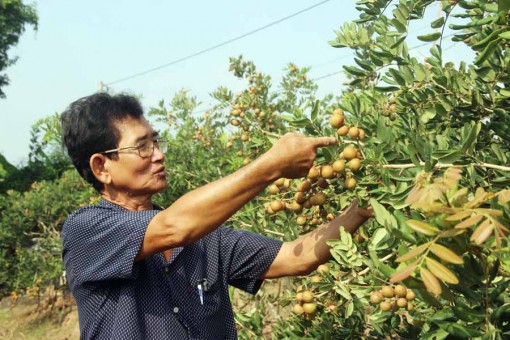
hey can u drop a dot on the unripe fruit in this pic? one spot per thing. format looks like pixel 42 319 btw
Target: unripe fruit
pixel 400 291
pixel 298 309
pixel 385 306
pixel 322 269
pixel 388 291
pixel 277 206
pixel 273 189
pixel 308 296
pixel 410 295
pixel 315 279
pixel 327 171
pixel 354 164
pixel 313 173
pixel 339 166
pixel 301 220
pixel 309 308
pixel 354 132
pixel 336 121
pixel 402 302
pixel 350 183
pixel 299 297
pixel 350 152
pixel 376 297
pixel 343 130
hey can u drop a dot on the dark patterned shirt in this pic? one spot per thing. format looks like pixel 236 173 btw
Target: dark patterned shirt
pixel 118 298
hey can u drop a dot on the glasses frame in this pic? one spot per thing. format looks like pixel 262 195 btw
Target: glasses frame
pixel 155 144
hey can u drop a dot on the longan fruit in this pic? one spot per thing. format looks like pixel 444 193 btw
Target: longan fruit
pixel 350 152
pixel 277 206
pixel 318 199
pixel 313 173
pixel 338 111
pixel 304 186
pixel 401 302
pixel 315 279
pixel 323 268
pixel 400 291
pixel 343 130
pixel 321 182
pixel 308 296
pixel 336 121
pixel 354 164
pixel 309 308
pixel 300 197
pixel 299 297
pixel 385 306
pixel 298 309
pixel 376 297
pixel 350 183
pixel 353 132
pixel 388 291
pixel 273 189
pixel 327 171
pixel 339 165
pixel 410 295
pixel 301 220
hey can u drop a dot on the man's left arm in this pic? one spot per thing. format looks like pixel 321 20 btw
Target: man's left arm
pixel 306 253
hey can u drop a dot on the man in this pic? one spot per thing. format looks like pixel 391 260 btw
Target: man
pixel 140 272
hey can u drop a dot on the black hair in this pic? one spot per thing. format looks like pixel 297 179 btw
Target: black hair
pixel 89 127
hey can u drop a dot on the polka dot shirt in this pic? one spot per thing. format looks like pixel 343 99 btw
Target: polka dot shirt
pixel 118 298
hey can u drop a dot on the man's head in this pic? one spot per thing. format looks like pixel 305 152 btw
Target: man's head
pixel 111 144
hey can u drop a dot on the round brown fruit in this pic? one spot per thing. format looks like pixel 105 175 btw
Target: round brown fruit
pixel 402 302
pixel 315 279
pixel 301 220
pixel 409 306
pixel 343 130
pixel 376 297
pixel 298 309
pixel 322 269
pixel 318 199
pixel 308 296
pixel 321 182
pixel 273 189
pixel 336 121
pixel 354 164
pixel 362 134
pixel 350 183
pixel 400 291
pixel 339 165
pixel 338 111
pixel 309 308
pixel 354 132
pixel 385 306
pixel 327 171
pixel 304 186
pixel 388 291
pixel 296 207
pixel 410 296
pixel 279 182
pixel 299 297
pixel 277 206
pixel 350 152
pixel 313 173
pixel 300 197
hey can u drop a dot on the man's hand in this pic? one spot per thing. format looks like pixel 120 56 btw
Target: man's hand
pixel 292 155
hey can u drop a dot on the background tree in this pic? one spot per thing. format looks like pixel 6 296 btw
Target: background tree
pixel 14 17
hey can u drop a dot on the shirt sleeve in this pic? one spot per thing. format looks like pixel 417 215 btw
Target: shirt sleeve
pixel 101 244
pixel 247 256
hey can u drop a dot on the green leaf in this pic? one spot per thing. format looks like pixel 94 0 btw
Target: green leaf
pixel 382 215
pixel 422 227
pixel 486 52
pixel 469 142
pixel 456 329
pixel 429 37
pixel 437 23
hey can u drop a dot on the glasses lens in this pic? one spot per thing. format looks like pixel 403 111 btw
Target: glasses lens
pixel 162 145
pixel 146 149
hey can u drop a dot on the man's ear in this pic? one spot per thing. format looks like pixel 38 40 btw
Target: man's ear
pixel 99 166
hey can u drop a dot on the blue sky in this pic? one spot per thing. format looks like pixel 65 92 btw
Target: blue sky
pixel 79 44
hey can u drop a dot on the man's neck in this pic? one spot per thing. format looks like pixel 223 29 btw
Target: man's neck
pixel 128 200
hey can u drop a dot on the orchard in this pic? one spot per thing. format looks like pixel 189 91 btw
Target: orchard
pixel 424 141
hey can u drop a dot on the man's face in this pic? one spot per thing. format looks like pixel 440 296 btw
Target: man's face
pixel 131 173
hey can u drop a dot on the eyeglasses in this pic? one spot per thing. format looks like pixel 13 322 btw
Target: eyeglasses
pixel 145 148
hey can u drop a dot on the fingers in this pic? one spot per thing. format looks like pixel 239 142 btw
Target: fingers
pixel 318 142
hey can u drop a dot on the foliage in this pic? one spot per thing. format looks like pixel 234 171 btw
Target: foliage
pixel 14 16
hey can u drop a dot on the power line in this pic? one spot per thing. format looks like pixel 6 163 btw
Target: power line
pixel 218 45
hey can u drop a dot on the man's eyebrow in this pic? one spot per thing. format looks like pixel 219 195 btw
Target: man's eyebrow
pixel 152 135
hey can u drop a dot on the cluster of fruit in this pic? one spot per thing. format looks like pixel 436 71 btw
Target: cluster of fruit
pixel 202 136
pixel 305 304
pixel 391 298
pixel 309 193
pixel 337 120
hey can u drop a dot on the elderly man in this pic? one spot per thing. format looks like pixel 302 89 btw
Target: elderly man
pixel 141 272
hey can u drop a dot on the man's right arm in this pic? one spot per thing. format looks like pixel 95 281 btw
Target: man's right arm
pixel 202 210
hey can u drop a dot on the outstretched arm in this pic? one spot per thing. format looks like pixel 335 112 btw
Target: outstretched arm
pixel 303 255
pixel 200 211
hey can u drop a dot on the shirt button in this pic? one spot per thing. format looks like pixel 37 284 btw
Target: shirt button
pixel 176 310
pixel 167 269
